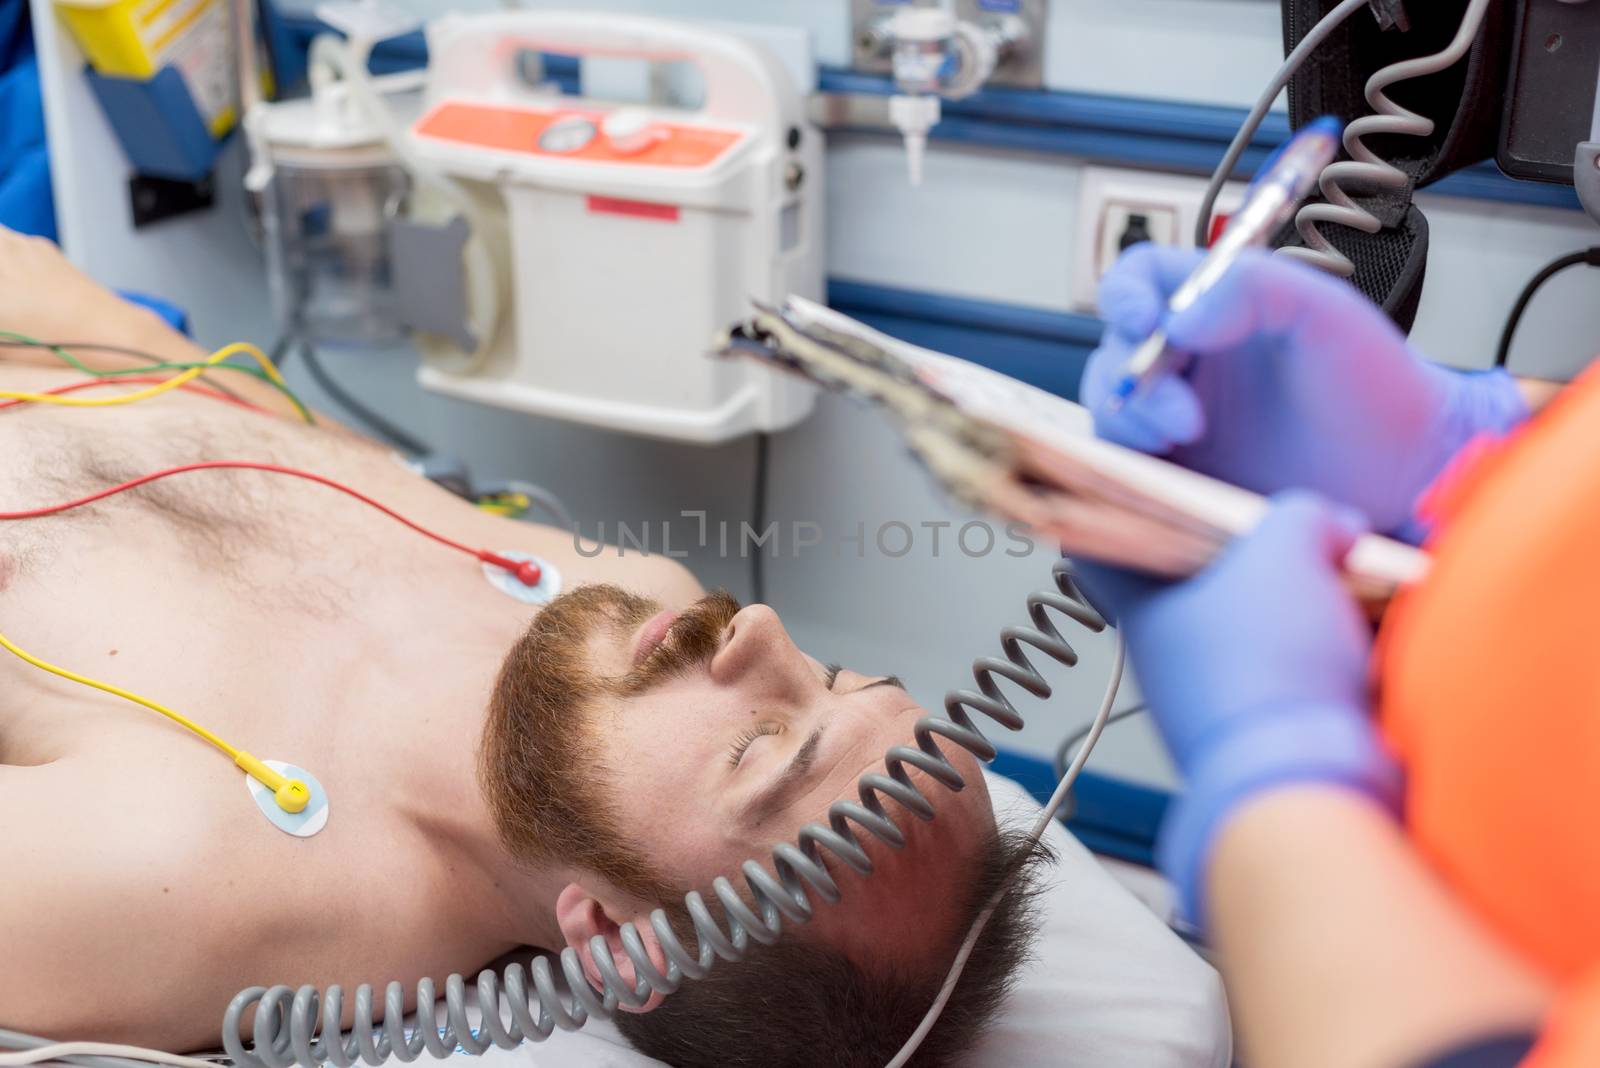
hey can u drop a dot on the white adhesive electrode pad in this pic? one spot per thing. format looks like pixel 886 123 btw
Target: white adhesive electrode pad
pixel 303 824
pixel 508 584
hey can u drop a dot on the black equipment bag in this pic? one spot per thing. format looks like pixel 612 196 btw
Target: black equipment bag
pixel 1464 101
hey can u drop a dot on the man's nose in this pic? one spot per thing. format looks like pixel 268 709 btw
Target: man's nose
pixel 758 650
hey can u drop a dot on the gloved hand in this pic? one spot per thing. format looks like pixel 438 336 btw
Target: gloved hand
pixel 1255 670
pixel 1293 380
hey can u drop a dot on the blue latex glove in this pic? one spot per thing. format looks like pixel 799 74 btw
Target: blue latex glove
pixel 1293 380
pixel 1256 673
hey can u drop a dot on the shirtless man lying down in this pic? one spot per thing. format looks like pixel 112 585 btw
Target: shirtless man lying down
pixel 499 775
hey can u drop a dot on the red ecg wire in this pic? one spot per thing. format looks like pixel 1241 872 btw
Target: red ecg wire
pixel 73 387
pixel 526 572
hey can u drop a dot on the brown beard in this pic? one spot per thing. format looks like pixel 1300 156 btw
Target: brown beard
pixel 542 761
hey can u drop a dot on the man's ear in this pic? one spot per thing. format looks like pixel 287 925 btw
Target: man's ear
pixel 582 915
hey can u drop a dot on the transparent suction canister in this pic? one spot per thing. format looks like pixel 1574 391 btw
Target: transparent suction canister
pixel 329 188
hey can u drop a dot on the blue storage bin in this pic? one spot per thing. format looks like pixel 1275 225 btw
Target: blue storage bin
pixel 156 122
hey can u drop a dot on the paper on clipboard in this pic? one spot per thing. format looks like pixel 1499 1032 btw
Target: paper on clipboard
pixel 1132 508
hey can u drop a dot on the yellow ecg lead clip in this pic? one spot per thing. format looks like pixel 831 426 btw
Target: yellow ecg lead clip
pixel 292 795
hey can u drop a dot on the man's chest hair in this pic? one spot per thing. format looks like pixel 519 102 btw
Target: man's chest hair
pixel 222 521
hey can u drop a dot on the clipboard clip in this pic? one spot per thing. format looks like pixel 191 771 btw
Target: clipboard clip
pixel 970 458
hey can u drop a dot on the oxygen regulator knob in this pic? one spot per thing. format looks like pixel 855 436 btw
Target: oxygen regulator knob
pixel 922 41
pixel 630 131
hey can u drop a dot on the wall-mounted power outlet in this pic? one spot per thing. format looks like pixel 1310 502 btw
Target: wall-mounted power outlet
pixel 1125 222
pixel 1120 208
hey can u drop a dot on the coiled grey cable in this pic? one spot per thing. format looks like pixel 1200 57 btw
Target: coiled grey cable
pixel 1247 130
pixel 289 1028
pixel 1366 168
pixel 1058 797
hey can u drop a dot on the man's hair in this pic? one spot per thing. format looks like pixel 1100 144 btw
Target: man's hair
pixel 799 1004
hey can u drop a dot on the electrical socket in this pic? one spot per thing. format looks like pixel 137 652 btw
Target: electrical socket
pixel 1124 223
pixel 1110 199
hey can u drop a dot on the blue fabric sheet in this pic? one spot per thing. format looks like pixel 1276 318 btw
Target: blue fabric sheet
pixel 25 201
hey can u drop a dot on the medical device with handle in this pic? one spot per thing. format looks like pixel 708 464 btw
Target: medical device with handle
pixel 631 233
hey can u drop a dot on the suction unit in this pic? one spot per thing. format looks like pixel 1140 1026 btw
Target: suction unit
pixel 628 235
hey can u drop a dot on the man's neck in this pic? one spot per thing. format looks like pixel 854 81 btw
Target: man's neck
pixel 517 899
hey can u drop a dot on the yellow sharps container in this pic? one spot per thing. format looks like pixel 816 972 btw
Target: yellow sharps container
pixel 136 39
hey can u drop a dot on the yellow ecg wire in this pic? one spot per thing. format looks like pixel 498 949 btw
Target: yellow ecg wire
pixel 291 794
pixel 152 391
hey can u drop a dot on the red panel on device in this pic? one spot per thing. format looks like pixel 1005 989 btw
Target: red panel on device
pixel 517 130
pixel 1219 223
pixel 641 209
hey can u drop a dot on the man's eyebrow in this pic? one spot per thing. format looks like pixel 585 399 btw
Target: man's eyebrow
pixel 833 671
pixel 775 796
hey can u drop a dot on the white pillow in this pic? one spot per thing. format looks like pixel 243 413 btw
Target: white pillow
pixel 1110 985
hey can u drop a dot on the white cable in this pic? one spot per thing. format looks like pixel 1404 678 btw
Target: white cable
pixel 57 1050
pixel 546 500
pixel 1057 799
pixel 1366 168
pixel 11 1040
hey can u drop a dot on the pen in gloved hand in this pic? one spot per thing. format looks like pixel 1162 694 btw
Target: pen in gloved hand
pixel 1272 198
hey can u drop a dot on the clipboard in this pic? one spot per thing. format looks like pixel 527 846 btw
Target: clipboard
pixel 1002 446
